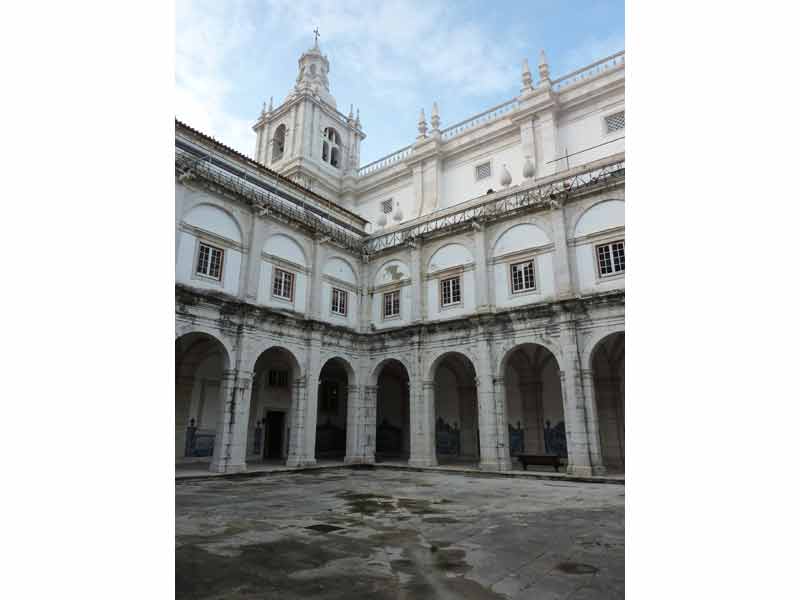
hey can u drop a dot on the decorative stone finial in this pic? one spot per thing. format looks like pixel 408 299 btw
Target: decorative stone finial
pixel 358 117
pixel 435 117
pixel 527 80
pixel 270 104
pixel 544 68
pixel 505 177
pixel 398 213
pixel 263 109
pixel 528 169
pixel 350 116
pixel 422 126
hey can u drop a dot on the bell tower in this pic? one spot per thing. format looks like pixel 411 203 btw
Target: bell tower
pixel 306 138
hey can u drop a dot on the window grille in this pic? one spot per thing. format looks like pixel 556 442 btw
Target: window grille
pixel 522 278
pixel 391 304
pixel 611 258
pixel 615 122
pixel 209 261
pixel 283 284
pixel 278 378
pixel 387 205
pixel 483 170
pixel 339 302
pixel 450 291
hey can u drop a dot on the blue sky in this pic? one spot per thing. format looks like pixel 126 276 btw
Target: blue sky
pixel 387 58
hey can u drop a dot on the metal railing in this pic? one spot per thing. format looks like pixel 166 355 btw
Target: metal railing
pixel 486 116
pixel 386 161
pixel 546 194
pixel 189 165
pixel 589 71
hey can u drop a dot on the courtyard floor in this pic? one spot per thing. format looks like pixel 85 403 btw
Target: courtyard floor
pixel 394 534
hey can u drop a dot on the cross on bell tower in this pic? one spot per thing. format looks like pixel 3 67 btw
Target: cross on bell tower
pixel 316 37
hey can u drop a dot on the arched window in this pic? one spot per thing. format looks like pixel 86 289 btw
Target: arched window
pixel 331 147
pixel 278 143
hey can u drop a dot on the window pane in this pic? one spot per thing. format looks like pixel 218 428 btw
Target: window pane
pixel 604 260
pixel 202 259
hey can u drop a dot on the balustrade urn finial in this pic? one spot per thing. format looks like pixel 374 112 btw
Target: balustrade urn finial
pixel 422 126
pixel 544 68
pixel 505 177
pixel 435 122
pixel 527 80
pixel 528 170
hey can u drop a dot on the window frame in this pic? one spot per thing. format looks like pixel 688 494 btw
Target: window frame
pixel 452 303
pixel 334 304
pixel 480 164
pixel 527 290
pixel 383 305
pixel 609 245
pixel 293 280
pixel 197 273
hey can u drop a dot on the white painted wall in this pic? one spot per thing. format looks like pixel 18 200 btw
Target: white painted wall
pixel 340 274
pixel 391 275
pixel 602 222
pixel 439 267
pixel 584 128
pixel 515 244
pixel 459 173
pixel 287 254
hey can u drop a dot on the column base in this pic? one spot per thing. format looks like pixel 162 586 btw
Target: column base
pixel 299 461
pixel 585 470
pixel 493 465
pixel 359 460
pixel 218 467
pixel 422 462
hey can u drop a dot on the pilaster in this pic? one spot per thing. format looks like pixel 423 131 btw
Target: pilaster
pixel 423 425
pixel 417 290
pixel 504 449
pixel 482 300
pixel 563 272
pixel 298 456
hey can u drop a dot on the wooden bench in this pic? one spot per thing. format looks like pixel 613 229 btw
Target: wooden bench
pixel 539 459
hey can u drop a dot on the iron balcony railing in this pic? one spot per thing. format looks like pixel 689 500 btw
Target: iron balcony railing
pixel 592 175
pixel 188 165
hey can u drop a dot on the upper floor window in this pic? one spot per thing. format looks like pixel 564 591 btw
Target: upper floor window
pixel 611 258
pixel 339 301
pixel 278 378
pixel 278 142
pixel 483 170
pixel 522 277
pixel 331 147
pixel 450 291
pixel 391 304
pixel 283 284
pixel 209 261
pixel 615 122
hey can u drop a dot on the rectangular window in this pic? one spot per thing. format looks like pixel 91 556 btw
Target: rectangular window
pixel 209 261
pixel 339 301
pixel 278 378
pixel 611 258
pixel 483 170
pixel 450 291
pixel 615 122
pixel 387 205
pixel 522 278
pixel 283 284
pixel 391 304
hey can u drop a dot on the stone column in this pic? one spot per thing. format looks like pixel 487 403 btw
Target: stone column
pixel 592 422
pixel 574 406
pixel 490 437
pixel 313 369
pixel 230 442
pixel 361 425
pixel 503 446
pixel 423 426
pixel 297 429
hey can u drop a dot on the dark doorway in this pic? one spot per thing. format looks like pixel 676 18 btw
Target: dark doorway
pixel 273 443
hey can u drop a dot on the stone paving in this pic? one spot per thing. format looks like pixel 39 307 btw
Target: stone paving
pixel 390 534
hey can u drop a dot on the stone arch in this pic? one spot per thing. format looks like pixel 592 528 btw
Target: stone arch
pixel 193 328
pixel 375 371
pixel 520 237
pixel 203 214
pixel 336 387
pixel 391 276
pixel 594 340
pixel 435 360
pixel 343 266
pixel 296 363
pixel 447 255
pixel 604 211
pixel 286 247
pixel 352 373
pixel 507 349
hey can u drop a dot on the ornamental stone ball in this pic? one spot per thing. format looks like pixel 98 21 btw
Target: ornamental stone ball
pixel 505 177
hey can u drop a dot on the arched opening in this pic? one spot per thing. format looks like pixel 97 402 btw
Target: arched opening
pixel 269 426
pixel 334 378
pixel 456 410
pixel 331 146
pixel 278 143
pixel 608 369
pixel 200 363
pixel 392 421
pixel 534 403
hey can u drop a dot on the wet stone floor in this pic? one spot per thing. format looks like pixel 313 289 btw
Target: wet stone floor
pixel 378 533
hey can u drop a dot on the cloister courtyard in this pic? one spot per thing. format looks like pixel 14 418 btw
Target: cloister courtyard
pixel 394 534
